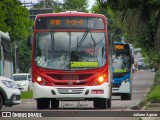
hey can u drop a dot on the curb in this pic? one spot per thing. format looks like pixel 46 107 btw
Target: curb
pixel 138 105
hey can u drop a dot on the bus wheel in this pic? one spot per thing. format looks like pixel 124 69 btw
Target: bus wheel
pixel 109 103
pixel 126 96
pixel 43 103
pixel 100 103
pixel 54 103
pixel 1 101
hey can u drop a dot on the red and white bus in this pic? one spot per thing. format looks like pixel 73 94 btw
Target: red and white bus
pixel 71 59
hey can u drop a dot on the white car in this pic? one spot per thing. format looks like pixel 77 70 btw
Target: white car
pixel 9 92
pixel 24 80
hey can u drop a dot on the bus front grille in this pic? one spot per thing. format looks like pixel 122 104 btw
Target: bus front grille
pixel 70 76
pixel 70 90
pixel 116 85
pixel 70 79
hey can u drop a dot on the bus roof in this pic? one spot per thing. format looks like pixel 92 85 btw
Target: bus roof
pixel 120 43
pixel 70 13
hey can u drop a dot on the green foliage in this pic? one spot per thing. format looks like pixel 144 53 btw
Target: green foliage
pixel 57 7
pixel 78 5
pixel 138 21
pixel 67 5
pixel 14 19
pixel 157 77
pixel 24 56
pixel 27 94
pixel 154 94
pixel 3 25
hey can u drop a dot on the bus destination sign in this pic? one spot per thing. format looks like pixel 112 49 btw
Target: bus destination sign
pixel 119 47
pixel 69 22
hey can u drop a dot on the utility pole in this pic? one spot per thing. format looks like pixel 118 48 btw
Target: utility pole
pixel 44 3
pixel 16 57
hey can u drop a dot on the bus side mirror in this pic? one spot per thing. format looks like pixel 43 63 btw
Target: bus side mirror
pixel 113 57
pixel 29 41
pixel 132 60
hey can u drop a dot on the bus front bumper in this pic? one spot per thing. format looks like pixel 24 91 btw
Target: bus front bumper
pixel 72 93
pixel 123 88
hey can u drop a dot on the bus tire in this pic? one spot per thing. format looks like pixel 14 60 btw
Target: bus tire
pixel 1 101
pixel 54 103
pixel 109 103
pixel 126 96
pixel 100 103
pixel 43 103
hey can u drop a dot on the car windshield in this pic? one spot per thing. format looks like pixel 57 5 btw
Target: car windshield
pixel 20 77
pixel 141 60
pixel 70 50
pixel 121 62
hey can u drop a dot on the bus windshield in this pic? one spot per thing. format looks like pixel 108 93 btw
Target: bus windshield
pixel 121 62
pixel 70 50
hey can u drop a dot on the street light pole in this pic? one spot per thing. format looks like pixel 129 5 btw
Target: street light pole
pixel 16 57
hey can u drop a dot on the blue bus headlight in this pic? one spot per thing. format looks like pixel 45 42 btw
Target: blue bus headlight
pixel 124 81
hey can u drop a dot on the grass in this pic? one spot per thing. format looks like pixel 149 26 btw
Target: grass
pixel 154 94
pixel 27 94
pixel 157 77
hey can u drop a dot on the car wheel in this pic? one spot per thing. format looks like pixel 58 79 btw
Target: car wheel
pixel 1 101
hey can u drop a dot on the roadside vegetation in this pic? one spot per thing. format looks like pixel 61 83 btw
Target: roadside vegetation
pixel 154 94
pixel 27 95
pixel 138 22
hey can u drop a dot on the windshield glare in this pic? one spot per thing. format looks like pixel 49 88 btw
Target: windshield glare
pixel 70 50
pixel 121 62
pixel 20 77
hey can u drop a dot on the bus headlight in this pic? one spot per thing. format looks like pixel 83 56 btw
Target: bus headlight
pixel 40 80
pixel 99 80
pixel 124 81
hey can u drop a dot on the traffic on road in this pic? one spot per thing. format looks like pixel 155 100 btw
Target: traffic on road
pixel 78 64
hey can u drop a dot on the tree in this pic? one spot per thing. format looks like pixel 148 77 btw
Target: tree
pixel 78 5
pixel 15 20
pixel 140 22
pixel 116 31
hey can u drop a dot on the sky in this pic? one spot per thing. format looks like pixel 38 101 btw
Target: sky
pixel 91 2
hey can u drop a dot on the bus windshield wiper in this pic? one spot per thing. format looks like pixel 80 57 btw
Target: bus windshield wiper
pixel 82 39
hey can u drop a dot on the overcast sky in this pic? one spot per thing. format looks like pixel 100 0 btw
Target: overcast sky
pixel 91 2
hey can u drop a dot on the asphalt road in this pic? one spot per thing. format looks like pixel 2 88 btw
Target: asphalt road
pixel 142 81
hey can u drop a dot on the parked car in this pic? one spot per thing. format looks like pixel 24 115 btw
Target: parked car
pixel 24 80
pixel 9 92
pixel 142 65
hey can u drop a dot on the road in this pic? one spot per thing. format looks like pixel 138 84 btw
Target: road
pixel 142 81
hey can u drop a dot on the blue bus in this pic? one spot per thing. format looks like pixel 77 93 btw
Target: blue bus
pixel 122 71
